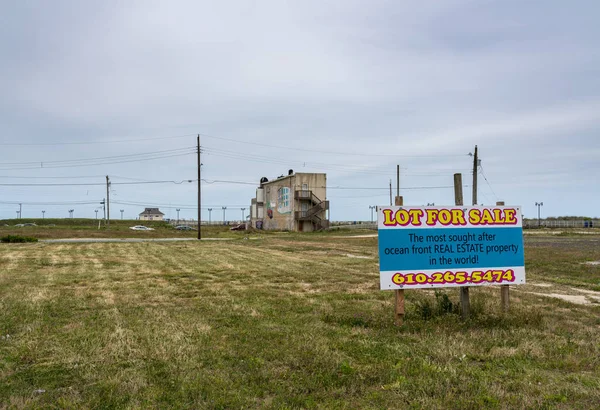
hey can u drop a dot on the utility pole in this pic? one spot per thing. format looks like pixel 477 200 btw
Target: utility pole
pixel 209 212
pixel 178 209
pixel 243 209
pixel 43 214
pixel 20 211
pixel 104 207
pixel 397 180
pixel 107 202
pixel 200 193
pixel 96 213
pixel 224 208
pixel 475 165
pixel 122 210
pixel 390 192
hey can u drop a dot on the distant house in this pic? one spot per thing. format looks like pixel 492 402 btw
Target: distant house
pixel 151 214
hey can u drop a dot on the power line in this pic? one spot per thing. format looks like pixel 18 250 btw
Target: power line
pixel 362 154
pixel 331 152
pixel 69 177
pixel 488 182
pixel 93 142
pixel 100 183
pixel 98 158
pixel 287 162
pixel 173 206
pixel 52 203
pixel 404 188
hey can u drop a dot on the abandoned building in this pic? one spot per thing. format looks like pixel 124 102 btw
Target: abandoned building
pixel 151 214
pixel 296 202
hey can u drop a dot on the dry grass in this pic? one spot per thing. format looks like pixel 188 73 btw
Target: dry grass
pixel 288 321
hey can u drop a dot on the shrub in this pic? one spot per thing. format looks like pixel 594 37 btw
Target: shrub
pixel 17 239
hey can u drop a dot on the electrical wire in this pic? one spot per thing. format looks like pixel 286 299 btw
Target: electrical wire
pixel 98 161
pixel 93 142
pixel 288 162
pixel 103 183
pixel 488 182
pixel 51 203
pixel 361 154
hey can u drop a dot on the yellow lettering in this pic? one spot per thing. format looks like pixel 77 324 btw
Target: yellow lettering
pixel 387 218
pixel 445 217
pixel 458 217
pixel 487 218
pixel 415 215
pixel 474 217
pixel 431 216
pixel 498 217
pixel 402 217
pixel 510 216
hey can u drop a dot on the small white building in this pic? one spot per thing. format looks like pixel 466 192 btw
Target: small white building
pixel 151 214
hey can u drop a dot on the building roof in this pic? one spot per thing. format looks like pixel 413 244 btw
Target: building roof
pixel 282 177
pixel 151 211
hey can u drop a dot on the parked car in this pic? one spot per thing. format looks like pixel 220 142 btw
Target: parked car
pixel 184 228
pixel 141 228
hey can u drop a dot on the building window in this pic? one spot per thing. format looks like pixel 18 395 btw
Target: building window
pixel 283 200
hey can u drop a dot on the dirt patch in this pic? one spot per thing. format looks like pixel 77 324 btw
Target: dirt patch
pixel 358 256
pixel 576 299
pixel 593 263
pixel 356 236
pixel 541 285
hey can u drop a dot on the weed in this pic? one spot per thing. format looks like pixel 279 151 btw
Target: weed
pixel 17 239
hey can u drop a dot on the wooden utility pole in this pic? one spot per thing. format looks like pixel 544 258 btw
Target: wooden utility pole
pixel 199 193
pixel 475 164
pixel 107 201
pixel 399 293
pixel 465 304
pixel 504 289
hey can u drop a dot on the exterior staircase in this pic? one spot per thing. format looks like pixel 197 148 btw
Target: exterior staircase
pixel 316 207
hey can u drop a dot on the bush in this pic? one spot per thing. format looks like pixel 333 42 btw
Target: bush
pixel 17 239
pixel 442 306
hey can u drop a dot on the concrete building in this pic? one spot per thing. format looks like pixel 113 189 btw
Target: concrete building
pixel 296 202
pixel 151 214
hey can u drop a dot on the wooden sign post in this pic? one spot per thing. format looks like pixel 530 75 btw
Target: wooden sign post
pixel 399 293
pixel 465 302
pixel 504 289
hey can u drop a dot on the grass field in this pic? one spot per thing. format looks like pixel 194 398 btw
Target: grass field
pixel 287 321
pixel 90 228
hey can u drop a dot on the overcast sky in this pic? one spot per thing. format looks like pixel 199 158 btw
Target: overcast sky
pixel 349 88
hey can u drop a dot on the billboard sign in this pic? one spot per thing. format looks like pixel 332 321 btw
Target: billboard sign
pixel 434 247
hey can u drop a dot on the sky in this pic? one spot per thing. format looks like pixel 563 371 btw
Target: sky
pixel 349 88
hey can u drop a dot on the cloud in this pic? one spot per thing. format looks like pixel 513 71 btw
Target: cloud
pixel 517 79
